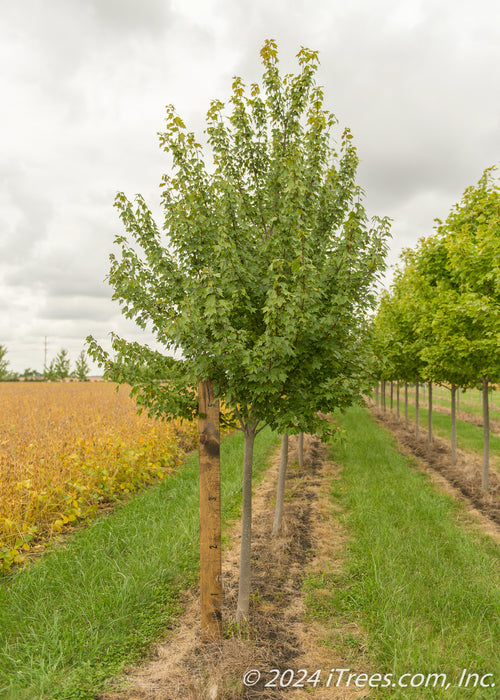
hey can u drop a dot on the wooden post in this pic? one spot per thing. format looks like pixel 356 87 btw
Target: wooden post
pixel 210 518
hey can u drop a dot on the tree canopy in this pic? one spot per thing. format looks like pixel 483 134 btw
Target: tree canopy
pixel 266 268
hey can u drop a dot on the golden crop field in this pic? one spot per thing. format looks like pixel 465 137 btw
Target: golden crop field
pixel 66 449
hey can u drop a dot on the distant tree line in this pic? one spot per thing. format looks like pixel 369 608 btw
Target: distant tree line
pixel 58 369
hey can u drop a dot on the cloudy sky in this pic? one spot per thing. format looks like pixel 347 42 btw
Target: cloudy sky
pixel 84 84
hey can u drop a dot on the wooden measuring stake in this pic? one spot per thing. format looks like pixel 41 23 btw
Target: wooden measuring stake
pixel 210 520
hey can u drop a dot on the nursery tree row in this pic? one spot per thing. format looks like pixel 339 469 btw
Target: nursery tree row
pixel 440 321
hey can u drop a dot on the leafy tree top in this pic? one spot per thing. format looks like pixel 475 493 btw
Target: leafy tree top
pixel 450 284
pixel 4 363
pixel 267 261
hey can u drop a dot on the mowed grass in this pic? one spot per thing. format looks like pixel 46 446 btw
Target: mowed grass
pixel 75 617
pixel 421 581
pixel 470 400
pixel 469 436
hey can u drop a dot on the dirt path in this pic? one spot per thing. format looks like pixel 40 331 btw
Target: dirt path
pixel 463 480
pixel 280 636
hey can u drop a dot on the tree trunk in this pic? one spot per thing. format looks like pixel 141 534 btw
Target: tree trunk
pixel 383 395
pixel 280 495
pixel 376 394
pixel 300 449
pixel 417 426
pixel 406 405
pixel 397 399
pixel 392 395
pixel 453 424
pixel 486 432
pixel 246 526
pixel 430 413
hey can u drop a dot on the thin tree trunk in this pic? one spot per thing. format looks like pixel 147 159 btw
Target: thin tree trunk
pixel 280 495
pixel 430 413
pixel 486 432
pixel 453 424
pixel 397 399
pixel 392 395
pixel 406 405
pixel 383 395
pixel 376 394
pixel 417 426
pixel 246 526
pixel 300 449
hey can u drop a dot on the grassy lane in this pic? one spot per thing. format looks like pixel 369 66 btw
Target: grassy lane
pixel 469 437
pixel 470 401
pixel 423 584
pixel 83 611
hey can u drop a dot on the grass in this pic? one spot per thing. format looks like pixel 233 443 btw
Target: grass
pixel 99 600
pixel 470 400
pixel 423 583
pixel 469 436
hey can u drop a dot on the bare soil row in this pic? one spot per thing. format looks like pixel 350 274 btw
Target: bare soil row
pixel 464 476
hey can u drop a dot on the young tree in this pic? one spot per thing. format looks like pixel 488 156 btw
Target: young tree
pixel 61 365
pixel 262 278
pixel 395 339
pixel 82 368
pixel 49 371
pixel 4 363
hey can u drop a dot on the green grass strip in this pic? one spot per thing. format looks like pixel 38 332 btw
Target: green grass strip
pixel 469 436
pixel 422 582
pixel 78 615
pixel 470 402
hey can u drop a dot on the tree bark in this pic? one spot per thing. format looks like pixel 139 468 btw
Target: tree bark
pixel 397 399
pixel 300 449
pixel 280 494
pixel 486 433
pixel 430 413
pixel 246 526
pixel 383 394
pixel 392 395
pixel 453 424
pixel 417 426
